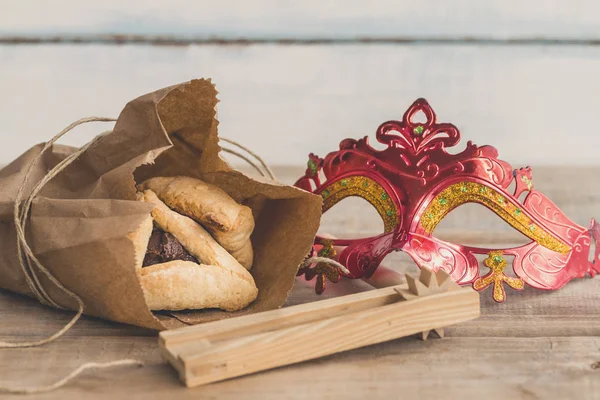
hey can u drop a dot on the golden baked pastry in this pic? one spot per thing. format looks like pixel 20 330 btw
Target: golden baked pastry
pixel 181 266
pixel 230 223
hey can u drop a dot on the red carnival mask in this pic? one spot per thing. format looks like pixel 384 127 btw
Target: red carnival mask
pixel 415 183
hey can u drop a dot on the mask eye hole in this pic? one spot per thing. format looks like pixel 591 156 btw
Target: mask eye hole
pixel 351 218
pixel 473 225
pixel 366 188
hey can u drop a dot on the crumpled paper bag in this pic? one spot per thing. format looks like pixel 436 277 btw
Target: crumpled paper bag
pixel 79 223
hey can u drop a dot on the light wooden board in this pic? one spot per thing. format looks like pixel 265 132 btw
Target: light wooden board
pixel 306 19
pixel 532 103
pixel 459 368
pixel 537 345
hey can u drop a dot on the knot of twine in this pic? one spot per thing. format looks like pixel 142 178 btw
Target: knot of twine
pixel 30 264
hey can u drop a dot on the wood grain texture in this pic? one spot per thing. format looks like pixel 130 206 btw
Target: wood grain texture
pixel 321 338
pixel 307 19
pixel 230 348
pixel 502 368
pixel 285 102
pixel 536 345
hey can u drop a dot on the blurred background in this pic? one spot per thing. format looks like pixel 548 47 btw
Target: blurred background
pixel 298 77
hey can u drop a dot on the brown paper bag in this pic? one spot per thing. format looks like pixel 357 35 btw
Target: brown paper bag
pixel 79 223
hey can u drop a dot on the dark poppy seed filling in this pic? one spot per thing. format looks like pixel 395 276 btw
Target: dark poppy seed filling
pixel 164 247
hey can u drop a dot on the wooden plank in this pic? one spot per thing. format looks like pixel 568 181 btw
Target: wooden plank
pixel 497 368
pixel 309 19
pixel 286 102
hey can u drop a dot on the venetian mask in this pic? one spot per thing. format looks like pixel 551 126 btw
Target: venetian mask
pixel 414 183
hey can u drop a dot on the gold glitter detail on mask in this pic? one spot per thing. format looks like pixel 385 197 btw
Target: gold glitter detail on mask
pixel 496 263
pixel 471 192
pixel 368 189
pixel 327 250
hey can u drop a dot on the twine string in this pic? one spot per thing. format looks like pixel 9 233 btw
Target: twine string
pixel 61 382
pixel 21 224
pixel 29 262
pixel 267 171
pixel 243 157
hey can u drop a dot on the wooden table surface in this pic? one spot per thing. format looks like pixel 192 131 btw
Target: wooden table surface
pixel 536 345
